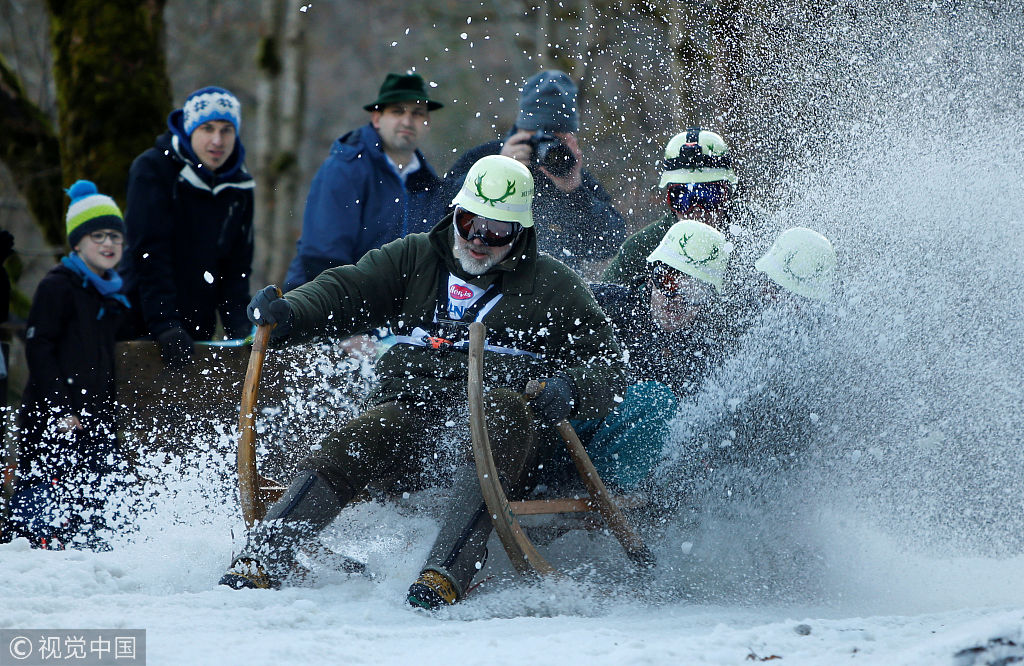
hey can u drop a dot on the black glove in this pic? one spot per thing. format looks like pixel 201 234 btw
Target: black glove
pixel 556 399
pixel 266 307
pixel 175 347
pixel 6 244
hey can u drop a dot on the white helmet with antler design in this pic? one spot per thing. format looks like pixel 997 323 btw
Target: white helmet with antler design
pixel 696 249
pixel 697 156
pixel 499 188
pixel 802 261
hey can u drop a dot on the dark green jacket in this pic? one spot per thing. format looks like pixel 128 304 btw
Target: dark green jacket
pixel 630 265
pixel 743 225
pixel 545 309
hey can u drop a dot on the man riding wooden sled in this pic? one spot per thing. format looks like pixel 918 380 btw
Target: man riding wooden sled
pixel 479 263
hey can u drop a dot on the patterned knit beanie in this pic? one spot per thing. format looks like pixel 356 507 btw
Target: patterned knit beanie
pixel 90 211
pixel 211 103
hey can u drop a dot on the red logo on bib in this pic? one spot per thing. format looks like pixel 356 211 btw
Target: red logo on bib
pixel 460 293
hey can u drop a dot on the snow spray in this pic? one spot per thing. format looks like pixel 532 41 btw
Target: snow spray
pixel 889 433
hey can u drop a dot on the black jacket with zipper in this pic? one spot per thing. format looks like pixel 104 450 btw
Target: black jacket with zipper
pixel 190 240
pixel 69 346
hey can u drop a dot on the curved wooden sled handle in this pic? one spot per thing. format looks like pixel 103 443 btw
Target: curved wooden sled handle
pixel 631 542
pixel 634 546
pixel 520 549
pixel 254 491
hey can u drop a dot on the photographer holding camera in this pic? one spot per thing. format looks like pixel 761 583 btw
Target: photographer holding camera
pixel 576 222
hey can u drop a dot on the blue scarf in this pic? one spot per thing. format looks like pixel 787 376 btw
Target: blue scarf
pixel 108 286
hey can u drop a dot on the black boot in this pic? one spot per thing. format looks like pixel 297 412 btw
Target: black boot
pixel 460 548
pixel 307 506
pixel 433 589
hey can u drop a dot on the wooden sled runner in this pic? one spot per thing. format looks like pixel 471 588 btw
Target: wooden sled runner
pixel 521 551
pixel 257 492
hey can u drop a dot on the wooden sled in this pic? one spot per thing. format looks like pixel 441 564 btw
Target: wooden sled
pixel 257 492
pixel 521 551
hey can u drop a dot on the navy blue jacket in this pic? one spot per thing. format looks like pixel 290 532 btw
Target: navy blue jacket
pixel 357 203
pixel 190 238
pixel 571 226
pixel 69 346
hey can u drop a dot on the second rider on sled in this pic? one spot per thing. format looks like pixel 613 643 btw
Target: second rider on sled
pixel 479 263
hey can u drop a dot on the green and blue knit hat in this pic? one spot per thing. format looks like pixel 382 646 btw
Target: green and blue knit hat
pixel 90 211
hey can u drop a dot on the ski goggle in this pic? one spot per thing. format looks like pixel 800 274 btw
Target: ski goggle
pixel 681 196
pixel 675 284
pixel 492 233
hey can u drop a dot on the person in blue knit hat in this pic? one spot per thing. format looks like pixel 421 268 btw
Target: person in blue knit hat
pixel 576 220
pixel 189 226
pixel 69 455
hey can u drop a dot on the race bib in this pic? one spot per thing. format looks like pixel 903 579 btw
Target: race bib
pixel 462 296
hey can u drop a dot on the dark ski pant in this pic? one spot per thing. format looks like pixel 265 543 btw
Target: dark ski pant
pixel 66 481
pixel 389 442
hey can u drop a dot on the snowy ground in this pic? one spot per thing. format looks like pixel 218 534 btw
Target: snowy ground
pixel 738 586
pixel 884 607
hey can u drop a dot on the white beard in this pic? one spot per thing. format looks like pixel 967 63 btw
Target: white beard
pixel 475 266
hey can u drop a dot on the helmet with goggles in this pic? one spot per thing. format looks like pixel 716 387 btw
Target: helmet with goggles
pixel 696 249
pixel 498 188
pixel 802 261
pixel 697 156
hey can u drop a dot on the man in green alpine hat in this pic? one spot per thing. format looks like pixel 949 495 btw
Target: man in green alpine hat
pixel 374 187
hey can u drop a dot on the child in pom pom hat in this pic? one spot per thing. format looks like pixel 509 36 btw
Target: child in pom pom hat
pixel 69 453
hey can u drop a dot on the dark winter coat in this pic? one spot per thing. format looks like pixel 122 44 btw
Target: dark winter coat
pixel 357 202
pixel 630 267
pixel 70 351
pixel 571 226
pixel 190 238
pixel 545 309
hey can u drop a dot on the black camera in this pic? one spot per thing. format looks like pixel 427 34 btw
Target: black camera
pixel 550 153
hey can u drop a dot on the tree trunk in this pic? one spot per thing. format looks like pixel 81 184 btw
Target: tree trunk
pixel 29 148
pixel 282 102
pixel 543 36
pixel 688 64
pixel 292 129
pixel 727 76
pixel 113 94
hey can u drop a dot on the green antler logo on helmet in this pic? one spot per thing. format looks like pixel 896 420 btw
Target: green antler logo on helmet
pixel 715 148
pixel 499 188
pixel 788 269
pixel 803 262
pixel 715 249
pixel 510 189
pixel 695 249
